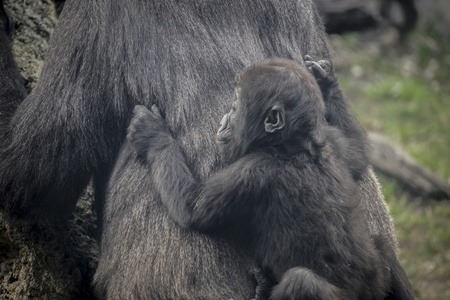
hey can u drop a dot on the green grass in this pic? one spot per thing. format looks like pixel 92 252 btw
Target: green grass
pixel 413 115
pixel 411 106
pixel 424 241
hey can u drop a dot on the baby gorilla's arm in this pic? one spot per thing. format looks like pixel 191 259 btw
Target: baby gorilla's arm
pixel 206 205
pixel 340 115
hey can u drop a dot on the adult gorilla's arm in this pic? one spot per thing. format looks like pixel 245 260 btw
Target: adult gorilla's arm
pixel 203 206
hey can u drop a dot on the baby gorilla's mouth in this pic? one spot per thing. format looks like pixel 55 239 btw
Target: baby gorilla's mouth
pixel 223 124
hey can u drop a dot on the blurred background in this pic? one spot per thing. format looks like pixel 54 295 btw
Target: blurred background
pixel 393 61
pixel 396 74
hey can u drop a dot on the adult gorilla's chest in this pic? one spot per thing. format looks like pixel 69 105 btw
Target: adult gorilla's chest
pixel 193 53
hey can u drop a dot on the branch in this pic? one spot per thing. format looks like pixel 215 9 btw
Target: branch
pixel 392 161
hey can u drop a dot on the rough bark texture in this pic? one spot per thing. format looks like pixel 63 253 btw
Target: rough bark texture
pixel 34 22
pixel 47 260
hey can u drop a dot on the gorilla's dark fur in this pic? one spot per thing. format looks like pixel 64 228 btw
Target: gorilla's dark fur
pixel 288 190
pixel 104 58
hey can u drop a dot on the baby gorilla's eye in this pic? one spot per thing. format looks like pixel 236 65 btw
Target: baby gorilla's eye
pixel 233 109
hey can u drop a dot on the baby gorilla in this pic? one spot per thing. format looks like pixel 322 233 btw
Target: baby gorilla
pixel 288 192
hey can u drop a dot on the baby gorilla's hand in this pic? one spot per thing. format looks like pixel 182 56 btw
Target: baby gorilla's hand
pixel 147 132
pixel 323 71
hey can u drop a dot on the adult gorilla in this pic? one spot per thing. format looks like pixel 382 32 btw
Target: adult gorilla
pixel 104 58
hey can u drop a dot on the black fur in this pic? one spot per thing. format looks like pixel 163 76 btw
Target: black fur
pixel 288 191
pixel 104 58
pixel 161 51
pixel 340 115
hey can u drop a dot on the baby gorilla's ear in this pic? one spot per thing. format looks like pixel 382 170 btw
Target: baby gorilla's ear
pixel 275 119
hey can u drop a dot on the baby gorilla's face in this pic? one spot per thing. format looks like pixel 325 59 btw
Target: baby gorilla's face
pixel 224 132
pixel 230 129
pixel 228 122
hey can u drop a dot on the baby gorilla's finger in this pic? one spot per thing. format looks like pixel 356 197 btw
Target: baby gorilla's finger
pixel 139 122
pixel 325 65
pixel 317 70
pixel 307 58
pixel 139 112
pixel 156 110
